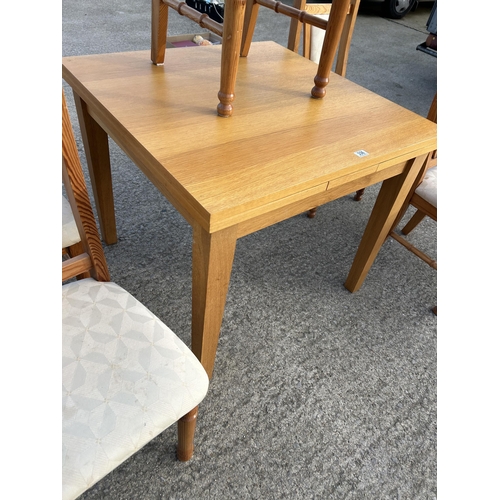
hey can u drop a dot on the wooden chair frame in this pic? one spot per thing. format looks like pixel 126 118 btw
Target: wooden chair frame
pixel 333 27
pixel 237 31
pixel 93 260
pixel 424 208
pixel 230 31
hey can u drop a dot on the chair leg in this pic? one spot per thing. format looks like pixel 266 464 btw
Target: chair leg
pixel 234 15
pixel 159 22
pixel 359 194
pixel 185 430
pixel 251 14
pixel 417 218
pixel 312 212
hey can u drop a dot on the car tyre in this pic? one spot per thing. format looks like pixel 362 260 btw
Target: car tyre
pixel 397 9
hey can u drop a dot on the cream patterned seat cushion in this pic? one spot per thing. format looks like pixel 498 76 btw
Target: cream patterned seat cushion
pixel 427 189
pixel 317 39
pixel 70 234
pixel 126 377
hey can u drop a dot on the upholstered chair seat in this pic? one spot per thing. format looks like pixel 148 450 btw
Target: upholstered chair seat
pixel 126 377
pixel 317 39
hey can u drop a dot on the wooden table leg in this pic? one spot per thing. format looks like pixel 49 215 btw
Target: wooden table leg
pixel 391 197
pixel 95 142
pixel 213 256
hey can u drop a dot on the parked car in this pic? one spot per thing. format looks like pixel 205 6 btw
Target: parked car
pixel 397 9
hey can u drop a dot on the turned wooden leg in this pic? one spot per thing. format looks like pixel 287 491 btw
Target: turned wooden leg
pixel 312 212
pixel 392 195
pixel 250 20
pixel 185 432
pixel 359 194
pixel 95 142
pixel 213 255
pixel 234 13
pixel 332 38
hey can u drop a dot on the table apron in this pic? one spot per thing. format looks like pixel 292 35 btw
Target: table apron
pixel 333 192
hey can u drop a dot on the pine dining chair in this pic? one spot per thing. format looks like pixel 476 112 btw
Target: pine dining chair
pixel 423 197
pixel 126 376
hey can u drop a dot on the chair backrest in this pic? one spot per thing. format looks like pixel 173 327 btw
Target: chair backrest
pixel 93 259
pixel 313 37
pixel 423 197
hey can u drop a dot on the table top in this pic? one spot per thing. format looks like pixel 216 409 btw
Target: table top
pixel 279 146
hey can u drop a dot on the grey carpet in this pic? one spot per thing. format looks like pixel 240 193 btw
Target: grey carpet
pixel 317 393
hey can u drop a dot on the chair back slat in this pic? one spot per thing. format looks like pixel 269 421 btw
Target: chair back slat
pixel 75 266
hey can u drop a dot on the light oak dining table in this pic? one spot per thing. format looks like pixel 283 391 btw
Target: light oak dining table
pixel 281 153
